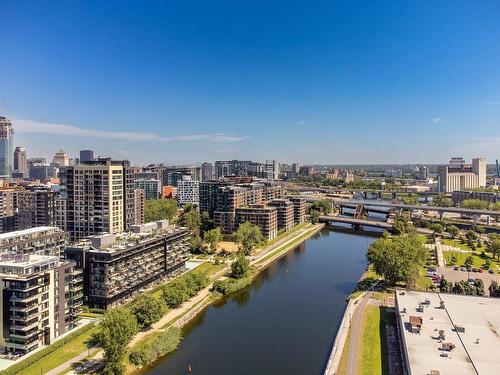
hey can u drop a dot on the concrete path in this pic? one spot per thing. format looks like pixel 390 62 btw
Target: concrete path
pixel 356 335
pixel 61 368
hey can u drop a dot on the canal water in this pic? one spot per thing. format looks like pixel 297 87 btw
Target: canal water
pixel 285 322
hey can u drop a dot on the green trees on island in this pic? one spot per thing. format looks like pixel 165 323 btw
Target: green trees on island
pixel 398 259
pixel 159 209
pixel 117 328
pixel 248 236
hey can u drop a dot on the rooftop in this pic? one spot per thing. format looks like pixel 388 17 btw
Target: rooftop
pixel 26 232
pixel 476 349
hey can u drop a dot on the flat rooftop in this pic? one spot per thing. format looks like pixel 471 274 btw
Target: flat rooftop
pixel 26 232
pixel 477 348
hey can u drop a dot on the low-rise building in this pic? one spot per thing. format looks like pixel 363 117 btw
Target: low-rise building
pixel 285 212
pixel 41 297
pixel 266 218
pixel 117 266
pixel 448 333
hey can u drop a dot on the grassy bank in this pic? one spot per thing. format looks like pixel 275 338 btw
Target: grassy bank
pixel 55 355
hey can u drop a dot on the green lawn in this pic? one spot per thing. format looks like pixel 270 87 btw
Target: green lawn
pixel 457 243
pixel 342 368
pixel 370 355
pixel 373 357
pixel 281 236
pixel 478 261
pixel 58 357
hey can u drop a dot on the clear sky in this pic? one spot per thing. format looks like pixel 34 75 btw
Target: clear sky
pixel 316 82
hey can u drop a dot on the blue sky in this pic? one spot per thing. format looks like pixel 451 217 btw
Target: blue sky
pixel 317 82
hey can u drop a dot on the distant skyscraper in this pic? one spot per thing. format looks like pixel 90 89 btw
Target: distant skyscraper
pixel 207 173
pixel 6 147
pixel 20 161
pixel 61 158
pixel 86 156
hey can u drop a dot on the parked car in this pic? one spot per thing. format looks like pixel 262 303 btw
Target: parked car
pixel 463 269
pixel 480 270
pixel 474 270
pixel 456 268
pixel 491 271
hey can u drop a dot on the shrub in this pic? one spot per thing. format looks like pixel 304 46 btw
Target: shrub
pixel 161 345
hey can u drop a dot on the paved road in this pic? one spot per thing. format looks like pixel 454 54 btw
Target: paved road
pixel 61 368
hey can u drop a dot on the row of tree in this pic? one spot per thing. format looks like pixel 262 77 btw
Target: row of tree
pixel 120 325
pixel 475 288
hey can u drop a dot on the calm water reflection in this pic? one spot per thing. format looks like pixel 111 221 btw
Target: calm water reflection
pixel 285 322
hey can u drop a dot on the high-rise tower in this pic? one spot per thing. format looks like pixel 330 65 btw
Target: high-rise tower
pixel 6 147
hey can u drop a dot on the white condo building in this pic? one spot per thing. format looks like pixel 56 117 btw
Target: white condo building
pixel 188 191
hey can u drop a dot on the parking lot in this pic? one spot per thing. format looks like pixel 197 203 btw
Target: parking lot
pixel 451 275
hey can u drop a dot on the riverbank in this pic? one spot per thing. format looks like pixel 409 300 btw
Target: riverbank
pixel 190 309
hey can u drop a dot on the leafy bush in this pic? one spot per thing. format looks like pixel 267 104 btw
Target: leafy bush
pixel 23 364
pixel 161 345
pixel 181 289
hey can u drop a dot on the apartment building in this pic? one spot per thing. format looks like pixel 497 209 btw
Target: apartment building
pixel 138 206
pixel 41 297
pixel 174 174
pixel 207 172
pixel 458 175
pixel 117 266
pixel 188 191
pixel 21 208
pixel 285 212
pixel 299 209
pixel 100 197
pixel 39 240
pixel 266 218
pixel 150 186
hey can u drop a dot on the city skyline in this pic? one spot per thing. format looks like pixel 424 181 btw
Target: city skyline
pixel 316 83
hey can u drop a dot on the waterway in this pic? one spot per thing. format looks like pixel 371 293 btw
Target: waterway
pixel 285 322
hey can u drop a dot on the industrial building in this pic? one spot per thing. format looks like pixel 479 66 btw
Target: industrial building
pixel 458 175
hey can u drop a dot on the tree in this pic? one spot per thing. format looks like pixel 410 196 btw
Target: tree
pixel 206 222
pixel 437 228
pixel 159 209
pixel 412 201
pixel 469 261
pixel 175 294
pixel 239 268
pixel 495 206
pixel 118 327
pixel 148 309
pixel 248 236
pixel 191 219
pixel 494 289
pixel 474 204
pixel 213 237
pixel 453 259
pixel 441 200
pixel 322 205
pixel 314 215
pixel 471 235
pixel 453 230
pixel 495 247
pixel 401 224
pixel 397 258
pixel 445 286
pixel 195 244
